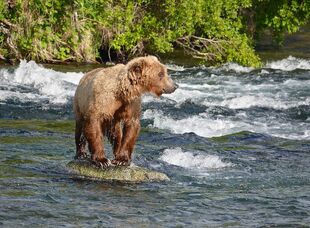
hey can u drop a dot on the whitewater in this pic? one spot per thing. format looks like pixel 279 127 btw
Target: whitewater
pixel 273 100
pixel 233 140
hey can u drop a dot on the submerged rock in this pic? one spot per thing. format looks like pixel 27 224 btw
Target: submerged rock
pixel 130 173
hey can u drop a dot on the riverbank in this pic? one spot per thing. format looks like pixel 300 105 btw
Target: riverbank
pixel 296 45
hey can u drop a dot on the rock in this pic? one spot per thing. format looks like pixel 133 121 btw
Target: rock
pixel 132 173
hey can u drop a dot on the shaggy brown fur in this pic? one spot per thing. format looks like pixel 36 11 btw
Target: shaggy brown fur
pixel 107 102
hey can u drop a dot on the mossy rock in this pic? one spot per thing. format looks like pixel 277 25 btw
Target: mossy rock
pixel 132 173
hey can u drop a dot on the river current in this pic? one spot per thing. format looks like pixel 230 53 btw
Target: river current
pixel 235 142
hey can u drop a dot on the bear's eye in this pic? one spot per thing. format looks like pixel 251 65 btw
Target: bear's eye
pixel 161 75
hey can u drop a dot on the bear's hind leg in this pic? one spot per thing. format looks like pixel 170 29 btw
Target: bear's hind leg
pixel 94 134
pixel 80 141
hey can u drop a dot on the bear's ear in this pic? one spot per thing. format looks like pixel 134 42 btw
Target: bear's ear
pixel 135 72
pixel 137 69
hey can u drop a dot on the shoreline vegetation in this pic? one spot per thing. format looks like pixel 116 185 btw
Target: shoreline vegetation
pixel 214 32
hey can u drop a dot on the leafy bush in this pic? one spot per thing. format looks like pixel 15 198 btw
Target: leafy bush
pixel 86 31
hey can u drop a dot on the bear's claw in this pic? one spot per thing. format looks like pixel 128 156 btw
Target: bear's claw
pixel 120 162
pixel 103 164
pixel 81 156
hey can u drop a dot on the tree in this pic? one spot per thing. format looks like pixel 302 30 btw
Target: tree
pixel 82 30
pixel 277 16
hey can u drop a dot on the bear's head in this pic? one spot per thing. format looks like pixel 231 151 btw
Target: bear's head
pixel 150 75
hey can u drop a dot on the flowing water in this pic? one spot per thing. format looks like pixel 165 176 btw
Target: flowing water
pixel 235 142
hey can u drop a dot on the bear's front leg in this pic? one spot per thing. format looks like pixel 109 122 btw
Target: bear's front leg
pixel 93 131
pixel 115 133
pixel 130 133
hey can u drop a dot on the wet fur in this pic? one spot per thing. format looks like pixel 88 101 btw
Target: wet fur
pixel 107 102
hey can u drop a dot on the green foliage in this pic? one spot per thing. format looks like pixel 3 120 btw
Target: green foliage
pixel 280 16
pixel 81 30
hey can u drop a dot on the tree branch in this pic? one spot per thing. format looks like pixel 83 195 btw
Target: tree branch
pixel 202 48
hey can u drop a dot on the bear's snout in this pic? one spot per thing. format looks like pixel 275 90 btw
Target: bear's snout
pixel 171 88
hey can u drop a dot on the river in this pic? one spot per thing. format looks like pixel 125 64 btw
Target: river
pixel 234 140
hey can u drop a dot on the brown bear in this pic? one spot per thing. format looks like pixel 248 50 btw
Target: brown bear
pixel 107 102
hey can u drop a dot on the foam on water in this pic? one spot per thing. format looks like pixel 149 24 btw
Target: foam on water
pixel 198 86
pixel 201 124
pixel 289 64
pixel 239 95
pixel 22 97
pixel 174 67
pixel 206 126
pixel 249 101
pixel 182 95
pixel 190 160
pixel 276 99
pixel 236 67
pixel 235 95
pixel 54 85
